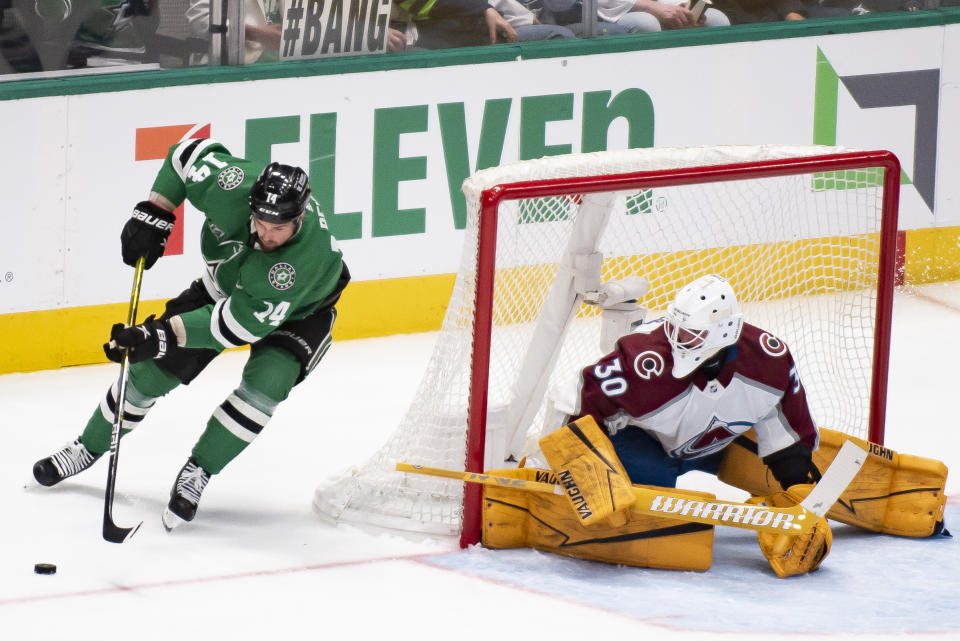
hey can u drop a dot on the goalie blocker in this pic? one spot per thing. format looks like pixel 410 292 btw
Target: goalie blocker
pixel 589 471
pixel 894 493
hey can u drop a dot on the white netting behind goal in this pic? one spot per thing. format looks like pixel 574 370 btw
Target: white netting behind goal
pixel 800 250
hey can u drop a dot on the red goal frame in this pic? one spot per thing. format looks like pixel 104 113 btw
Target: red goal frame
pixel 889 269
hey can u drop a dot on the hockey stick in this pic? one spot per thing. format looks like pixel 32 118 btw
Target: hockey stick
pixel 675 504
pixel 111 531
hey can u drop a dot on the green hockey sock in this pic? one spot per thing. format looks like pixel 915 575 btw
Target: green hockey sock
pixel 145 384
pixel 233 426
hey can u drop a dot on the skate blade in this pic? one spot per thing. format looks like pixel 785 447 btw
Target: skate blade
pixel 171 520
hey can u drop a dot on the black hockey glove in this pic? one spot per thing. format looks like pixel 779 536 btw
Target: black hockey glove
pixel 145 234
pixel 792 465
pixel 150 339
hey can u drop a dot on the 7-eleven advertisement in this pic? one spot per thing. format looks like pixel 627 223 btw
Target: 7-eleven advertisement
pixel 387 151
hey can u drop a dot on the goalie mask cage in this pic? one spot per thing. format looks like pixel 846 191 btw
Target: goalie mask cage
pixel 555 248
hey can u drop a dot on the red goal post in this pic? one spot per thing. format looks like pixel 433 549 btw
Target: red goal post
pixel 563 253
pixel 492 198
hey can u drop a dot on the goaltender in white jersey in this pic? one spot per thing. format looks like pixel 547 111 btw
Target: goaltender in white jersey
pixel 700 389
pixel 675 392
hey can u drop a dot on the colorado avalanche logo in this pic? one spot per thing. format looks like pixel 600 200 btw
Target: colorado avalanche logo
pixel 772 345
pixel 647 364
pixel 713 439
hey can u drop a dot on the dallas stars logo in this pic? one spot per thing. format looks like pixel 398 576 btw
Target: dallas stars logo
pixel 282 276
pixel 230 178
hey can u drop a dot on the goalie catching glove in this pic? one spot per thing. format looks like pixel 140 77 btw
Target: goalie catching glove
pixel 790 555
pixel 150 339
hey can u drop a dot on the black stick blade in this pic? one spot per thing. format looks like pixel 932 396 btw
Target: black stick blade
pixel 116 534
pixel 111 531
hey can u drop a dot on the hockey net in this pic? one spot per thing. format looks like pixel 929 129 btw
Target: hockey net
pixel 557 250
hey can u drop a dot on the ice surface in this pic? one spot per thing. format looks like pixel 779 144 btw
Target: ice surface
pixel 258 563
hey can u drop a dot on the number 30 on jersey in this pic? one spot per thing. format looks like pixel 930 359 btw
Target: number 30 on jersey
pixel 611 385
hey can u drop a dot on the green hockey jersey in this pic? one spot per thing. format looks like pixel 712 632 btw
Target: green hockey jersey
pixel 254 291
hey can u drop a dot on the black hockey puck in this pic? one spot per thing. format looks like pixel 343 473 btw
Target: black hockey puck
pixel 45 568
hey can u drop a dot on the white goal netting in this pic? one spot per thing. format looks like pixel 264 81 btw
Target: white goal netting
pixel 802 251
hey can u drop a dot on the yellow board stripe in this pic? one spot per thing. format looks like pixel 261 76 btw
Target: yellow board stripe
pixel 31 341
pixel 394 306
pixel 61 337
pixel 932 255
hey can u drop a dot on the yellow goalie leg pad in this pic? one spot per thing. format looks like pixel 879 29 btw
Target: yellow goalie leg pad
pixel 893 493
pixel 590 472
pixel 516 518
pixel 792 555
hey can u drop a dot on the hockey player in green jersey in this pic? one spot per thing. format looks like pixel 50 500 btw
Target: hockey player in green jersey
pixel 273 275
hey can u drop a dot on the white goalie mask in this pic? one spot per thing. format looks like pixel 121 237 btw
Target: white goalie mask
pixel 703 319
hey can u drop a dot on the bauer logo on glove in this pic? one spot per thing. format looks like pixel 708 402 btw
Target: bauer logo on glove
pixel 146 233
pixel 152 339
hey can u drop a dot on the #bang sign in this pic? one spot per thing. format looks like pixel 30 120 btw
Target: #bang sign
pixel 319 28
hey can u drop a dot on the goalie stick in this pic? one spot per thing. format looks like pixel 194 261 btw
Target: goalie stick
pixel 111 531
pixel 675 504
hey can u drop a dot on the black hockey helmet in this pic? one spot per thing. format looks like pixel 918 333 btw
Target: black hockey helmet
pixel 280 193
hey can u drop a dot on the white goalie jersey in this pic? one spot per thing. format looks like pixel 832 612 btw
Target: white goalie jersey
pixel 757 387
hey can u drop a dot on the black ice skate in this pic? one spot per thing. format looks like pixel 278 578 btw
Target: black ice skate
pixel 72 459
pixel 185 495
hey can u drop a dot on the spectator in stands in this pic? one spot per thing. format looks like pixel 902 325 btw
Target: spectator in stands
pixel 17 53
pixel 397 39
pixel 115 32
pixel 446 24
pixel 262 24
pixel 634 16
pixel 528 25
pixel 569 13
pixel 47 35
pixel 443 24
pixel 639 16
pixel 834 8
pixel 749 11
pixel 407 32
